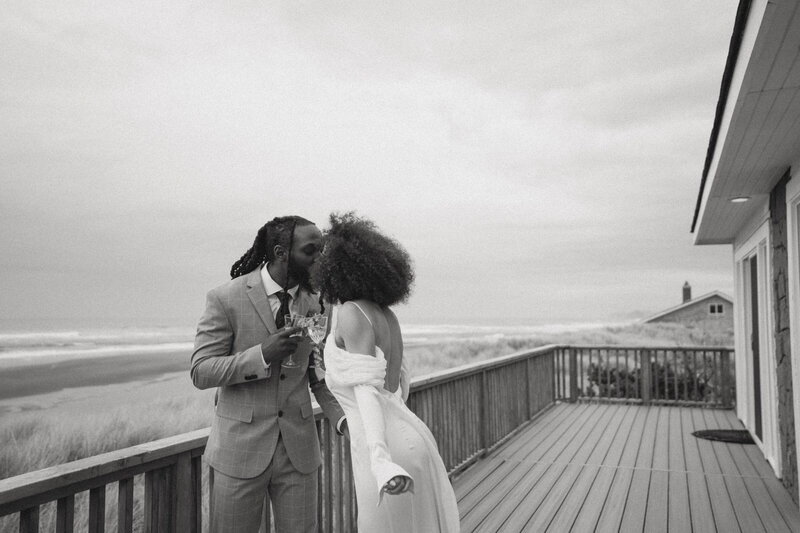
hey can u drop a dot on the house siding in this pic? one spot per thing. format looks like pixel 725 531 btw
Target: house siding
pixel 698 312
pixel 780 270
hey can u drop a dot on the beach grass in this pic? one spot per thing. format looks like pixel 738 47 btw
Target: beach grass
pixel 31 441
pixel 39 439
pixel 430 358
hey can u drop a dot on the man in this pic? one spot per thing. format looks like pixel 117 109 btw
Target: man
pixel 263 438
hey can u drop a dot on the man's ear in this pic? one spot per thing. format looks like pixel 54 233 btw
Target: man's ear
pixel 280 252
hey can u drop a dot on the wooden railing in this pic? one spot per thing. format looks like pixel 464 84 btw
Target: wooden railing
pixel 673 375
pixel 470 410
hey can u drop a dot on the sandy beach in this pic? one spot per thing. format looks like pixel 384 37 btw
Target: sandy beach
pixel 33 377
pixel 92 384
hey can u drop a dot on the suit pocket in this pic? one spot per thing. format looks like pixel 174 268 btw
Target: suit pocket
pixel 242 413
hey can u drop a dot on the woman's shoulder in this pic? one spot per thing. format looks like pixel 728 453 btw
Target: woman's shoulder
pixel 353 315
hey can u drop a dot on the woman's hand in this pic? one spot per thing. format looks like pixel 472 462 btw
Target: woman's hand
pixel 397 485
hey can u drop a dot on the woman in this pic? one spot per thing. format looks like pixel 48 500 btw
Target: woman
pixel 400 480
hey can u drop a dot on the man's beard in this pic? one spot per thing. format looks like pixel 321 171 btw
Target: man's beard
pixel 299 274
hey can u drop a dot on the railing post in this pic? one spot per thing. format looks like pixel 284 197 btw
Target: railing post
pixel 97 509
pixel 184 493
pixel 29 520
pixel 484 414
pixel 646 380
pixel 528 408
pixel 573 375
pixel 125 505
pixel 554 362
pixel 725 381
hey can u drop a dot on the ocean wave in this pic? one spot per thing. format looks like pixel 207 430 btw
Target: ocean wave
pixel 88 338
pixel 71 344
pixel 98 351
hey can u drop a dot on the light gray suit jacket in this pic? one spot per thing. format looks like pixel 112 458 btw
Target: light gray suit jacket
pixel 254 408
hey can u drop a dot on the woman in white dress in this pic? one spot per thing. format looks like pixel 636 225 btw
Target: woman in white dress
pixel 400 479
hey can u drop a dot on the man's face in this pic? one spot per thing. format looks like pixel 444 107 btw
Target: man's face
pixel 305 251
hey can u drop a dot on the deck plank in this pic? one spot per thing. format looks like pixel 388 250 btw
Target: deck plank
pixel 783 501
pixel 477 506
pixel 744 510
pixel 635 513
pixel 721 506
pixel 474 513
pixel 592 507
pixel 562 518
pixel 554 417
pixel 614 506
pixel 558 474
pixel 679 514
pixel 615 467
pixel 544 444
pixel 679 518
pixel 699 501
pixel 656 514
pixel 475 475
pixel 767 510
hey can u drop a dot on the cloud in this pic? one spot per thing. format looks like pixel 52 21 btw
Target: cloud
pixel 546 148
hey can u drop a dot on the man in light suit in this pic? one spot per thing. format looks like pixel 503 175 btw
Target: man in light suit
pixel 263 439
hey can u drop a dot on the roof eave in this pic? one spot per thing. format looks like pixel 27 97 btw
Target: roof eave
pixel 734 47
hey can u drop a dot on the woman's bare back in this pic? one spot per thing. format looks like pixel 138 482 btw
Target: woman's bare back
pixel 388 338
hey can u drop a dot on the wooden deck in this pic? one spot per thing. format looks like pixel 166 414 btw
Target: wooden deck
pixel 613 467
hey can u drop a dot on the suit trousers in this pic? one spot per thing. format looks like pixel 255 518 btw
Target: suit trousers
pixel 236 504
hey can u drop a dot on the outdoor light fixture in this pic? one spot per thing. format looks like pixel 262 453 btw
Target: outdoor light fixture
pixel 740 199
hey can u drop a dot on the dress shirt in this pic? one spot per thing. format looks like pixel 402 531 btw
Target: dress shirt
pixel 273 288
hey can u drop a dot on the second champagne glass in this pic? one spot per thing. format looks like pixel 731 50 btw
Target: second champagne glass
pixel 293 321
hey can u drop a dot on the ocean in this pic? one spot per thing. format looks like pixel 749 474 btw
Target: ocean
pixel 32 340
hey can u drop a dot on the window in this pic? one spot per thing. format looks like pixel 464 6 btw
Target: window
pixel 715 309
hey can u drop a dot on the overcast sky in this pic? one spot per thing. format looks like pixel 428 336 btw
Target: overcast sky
pixel 539 160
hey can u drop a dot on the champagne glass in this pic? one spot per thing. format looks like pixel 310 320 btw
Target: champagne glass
pixel 316 328
pixel 293 321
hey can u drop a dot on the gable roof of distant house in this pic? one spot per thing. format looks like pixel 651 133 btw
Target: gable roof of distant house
pixel 693 301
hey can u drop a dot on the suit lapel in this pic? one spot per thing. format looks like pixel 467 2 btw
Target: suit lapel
pixel 258 296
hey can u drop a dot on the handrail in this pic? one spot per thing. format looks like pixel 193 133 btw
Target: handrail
pixel 470 409
pixel 452 374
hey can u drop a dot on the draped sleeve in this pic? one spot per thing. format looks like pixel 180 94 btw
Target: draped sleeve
pixel 405 380
pixel 366 375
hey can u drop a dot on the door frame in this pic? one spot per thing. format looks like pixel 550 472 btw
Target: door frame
pixel 759 245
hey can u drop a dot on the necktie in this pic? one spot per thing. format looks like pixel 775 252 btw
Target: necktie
pixel 280 318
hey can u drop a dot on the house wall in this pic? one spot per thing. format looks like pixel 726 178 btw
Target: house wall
pixel 782 335
pixel 698 312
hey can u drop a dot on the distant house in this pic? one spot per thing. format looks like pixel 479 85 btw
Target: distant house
pixel 749 199
pixel 714 306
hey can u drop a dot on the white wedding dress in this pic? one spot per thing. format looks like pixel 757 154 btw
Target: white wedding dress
pixel 386 440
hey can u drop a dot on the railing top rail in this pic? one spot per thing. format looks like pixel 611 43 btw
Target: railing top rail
pixel 451 374
pixel 662 348
pixel 55 477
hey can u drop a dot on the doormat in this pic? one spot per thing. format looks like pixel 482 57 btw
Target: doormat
pixel 738 436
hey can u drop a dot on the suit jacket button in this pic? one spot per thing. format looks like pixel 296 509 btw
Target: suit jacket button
pixel 280 413
pixel 283 376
